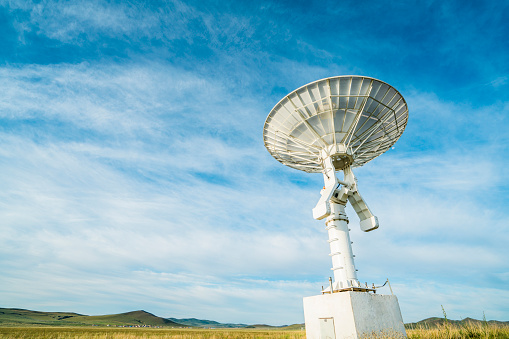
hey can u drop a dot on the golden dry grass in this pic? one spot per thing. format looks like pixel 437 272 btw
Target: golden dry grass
pixel 131 333
pixel 447 331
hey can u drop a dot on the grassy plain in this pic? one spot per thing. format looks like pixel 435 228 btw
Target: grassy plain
pixel 440 332
pixel 145 333
pixel 470 330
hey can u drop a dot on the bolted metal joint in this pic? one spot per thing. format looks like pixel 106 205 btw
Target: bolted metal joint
pixel 336 217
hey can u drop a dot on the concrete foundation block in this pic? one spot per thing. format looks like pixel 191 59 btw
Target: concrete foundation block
pixel 353 315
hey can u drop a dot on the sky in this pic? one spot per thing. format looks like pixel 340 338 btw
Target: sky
pixel 133 173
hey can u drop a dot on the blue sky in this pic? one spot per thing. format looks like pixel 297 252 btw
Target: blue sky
pixel 133 173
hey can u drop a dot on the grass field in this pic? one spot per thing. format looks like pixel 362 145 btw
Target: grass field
pixel 128 333
pixel 448 331
pixel 440 332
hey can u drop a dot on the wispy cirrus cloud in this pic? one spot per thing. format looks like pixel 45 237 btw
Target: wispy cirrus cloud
pixel 129 196
pixel 107 201
pixel 132 161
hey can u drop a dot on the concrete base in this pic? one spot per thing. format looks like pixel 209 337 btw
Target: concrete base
pixel 353 315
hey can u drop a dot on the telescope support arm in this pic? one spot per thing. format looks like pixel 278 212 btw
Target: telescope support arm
pixel 334 197
pixel 368 221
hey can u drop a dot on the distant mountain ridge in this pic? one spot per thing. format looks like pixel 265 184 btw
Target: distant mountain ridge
pixel 22 317
pixel 205 323
pixel 193 322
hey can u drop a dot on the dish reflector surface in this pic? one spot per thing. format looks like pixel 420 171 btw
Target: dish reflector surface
pixel 359 115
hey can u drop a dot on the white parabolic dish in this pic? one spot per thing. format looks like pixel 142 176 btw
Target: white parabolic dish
pixel 356 118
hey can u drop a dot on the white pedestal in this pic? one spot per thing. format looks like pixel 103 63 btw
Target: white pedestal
pixel 353 315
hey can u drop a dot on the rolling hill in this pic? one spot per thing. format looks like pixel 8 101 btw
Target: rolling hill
pixel 135 318
pixel 16 316
pixel 19 317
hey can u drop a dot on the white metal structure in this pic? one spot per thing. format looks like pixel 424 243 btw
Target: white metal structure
pixel 332 125
pixel 353 315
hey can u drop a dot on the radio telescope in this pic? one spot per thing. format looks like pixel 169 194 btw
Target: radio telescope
pixel 329 126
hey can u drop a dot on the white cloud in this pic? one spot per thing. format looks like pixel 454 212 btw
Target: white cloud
pixel 66 23
pixel 101 209
pixel 122 180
